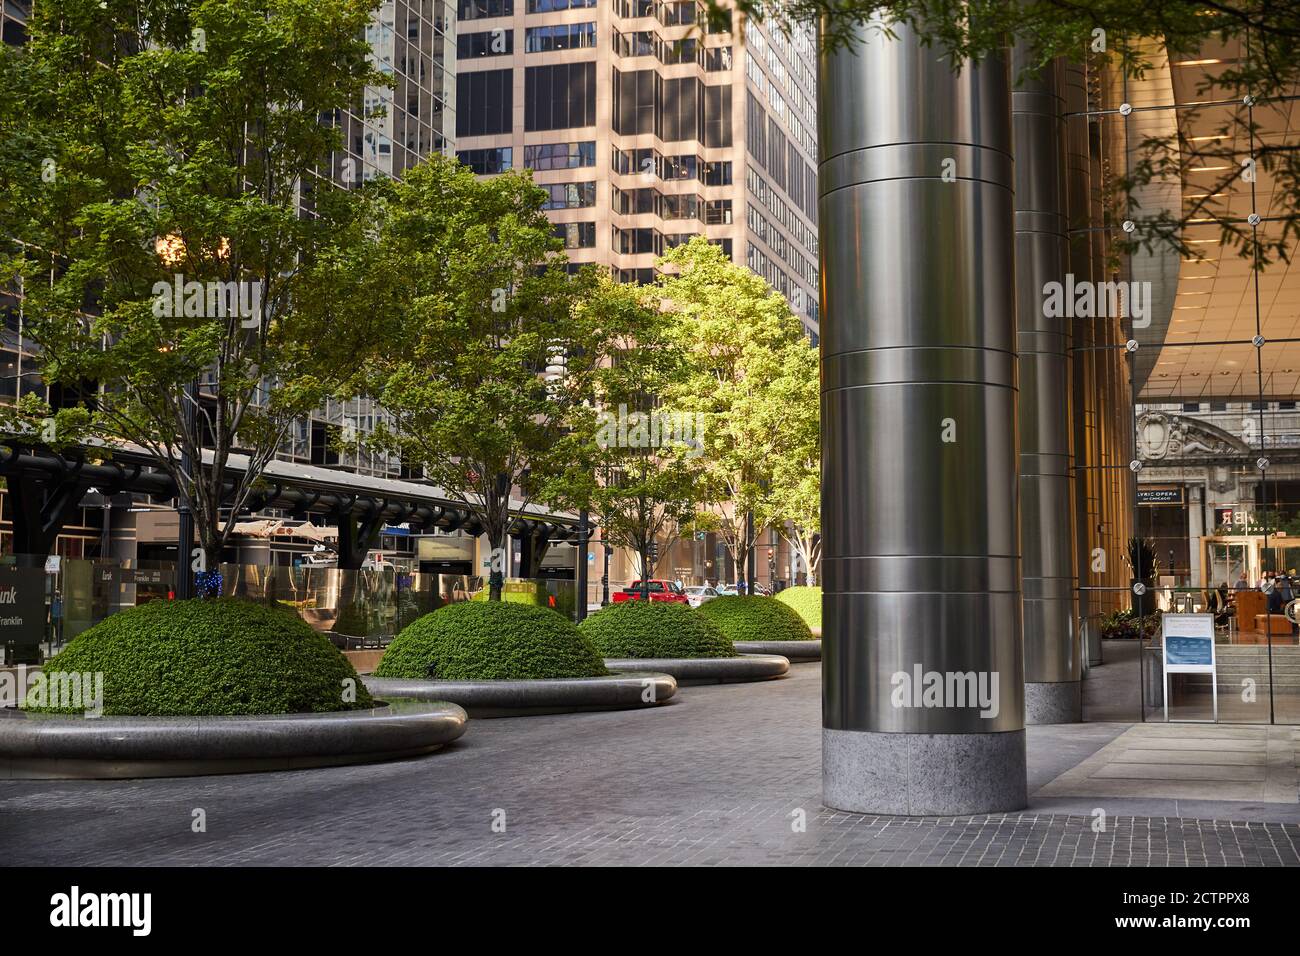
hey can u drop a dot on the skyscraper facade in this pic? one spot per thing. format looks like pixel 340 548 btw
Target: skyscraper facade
pixel 647 126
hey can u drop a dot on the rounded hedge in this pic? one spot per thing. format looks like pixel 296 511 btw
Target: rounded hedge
pixel 205 658
pixel 655 629
pixel 493 640
pixel 806 601
pixel 752 617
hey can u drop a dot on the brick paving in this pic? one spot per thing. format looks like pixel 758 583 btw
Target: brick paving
pixel 729 775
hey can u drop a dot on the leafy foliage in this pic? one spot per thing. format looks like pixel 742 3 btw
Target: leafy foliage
pixel 200 658
pixel 749 617
pixel 642 482
pixel 171 141
pixel 494 640
pixel 468 299
pixel 655 629
pixel 740 338
pixel 806 602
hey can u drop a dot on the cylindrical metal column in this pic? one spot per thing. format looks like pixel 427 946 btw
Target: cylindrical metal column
pixel 1083 334
pixel 1053 670
pixel 923 693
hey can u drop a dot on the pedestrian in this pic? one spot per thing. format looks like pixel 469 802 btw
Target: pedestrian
pixel 1242 584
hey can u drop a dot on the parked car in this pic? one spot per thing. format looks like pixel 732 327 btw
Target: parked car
pixel 727 590
pixel 697 594
pixel 657 590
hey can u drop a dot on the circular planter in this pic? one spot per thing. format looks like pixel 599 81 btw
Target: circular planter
pixel 519 698
pixel 41 746
pixel 708 670
pixel 799 652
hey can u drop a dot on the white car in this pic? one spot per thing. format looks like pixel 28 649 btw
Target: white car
pixel 727 590
pixel 697 594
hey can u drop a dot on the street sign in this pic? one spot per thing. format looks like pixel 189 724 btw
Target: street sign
pixel 1189 649
pixel 22 605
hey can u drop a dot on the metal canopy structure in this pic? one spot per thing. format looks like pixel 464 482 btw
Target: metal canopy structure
pixel 46 487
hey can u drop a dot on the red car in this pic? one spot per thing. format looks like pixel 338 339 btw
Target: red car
pixel 658 591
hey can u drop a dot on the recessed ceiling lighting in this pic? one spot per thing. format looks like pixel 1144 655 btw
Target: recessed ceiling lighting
pixel 1207 169
pixel 1206 62
pixel 1206 139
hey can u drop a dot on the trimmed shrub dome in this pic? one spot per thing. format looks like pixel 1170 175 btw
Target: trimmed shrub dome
pixel 806 601
pixel 211 658
pixel 492 640
pixel 751 617
pixel 655 629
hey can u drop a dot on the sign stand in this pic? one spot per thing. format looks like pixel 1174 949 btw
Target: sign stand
pixel 1188 641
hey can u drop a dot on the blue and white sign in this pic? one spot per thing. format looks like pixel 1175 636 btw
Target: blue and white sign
pixel 1189 649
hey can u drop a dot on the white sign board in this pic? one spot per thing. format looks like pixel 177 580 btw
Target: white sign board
pixel 1188 641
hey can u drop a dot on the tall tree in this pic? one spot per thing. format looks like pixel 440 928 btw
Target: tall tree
pixel 793 415
pixel 471 301
pixel 642 482
pixel 738 335
pixel 165 254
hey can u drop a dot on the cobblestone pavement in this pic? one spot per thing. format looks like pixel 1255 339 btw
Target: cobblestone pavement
pixel 728 775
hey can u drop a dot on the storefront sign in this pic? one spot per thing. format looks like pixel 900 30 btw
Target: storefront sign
pixel 1160 495
pixel 1189 649
pixel 22 605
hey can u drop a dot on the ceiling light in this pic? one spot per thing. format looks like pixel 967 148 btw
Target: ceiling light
pixel 1206 139
pixel 1206 62
pixel 1207 169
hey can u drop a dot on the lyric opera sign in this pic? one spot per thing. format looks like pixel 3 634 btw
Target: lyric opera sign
pixel 22 606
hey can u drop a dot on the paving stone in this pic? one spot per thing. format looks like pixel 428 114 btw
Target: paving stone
pixel 714 779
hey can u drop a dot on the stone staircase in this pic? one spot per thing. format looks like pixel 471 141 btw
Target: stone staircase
pixel 1237 662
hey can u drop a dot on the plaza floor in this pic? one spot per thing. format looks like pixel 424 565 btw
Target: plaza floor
pixel 727 775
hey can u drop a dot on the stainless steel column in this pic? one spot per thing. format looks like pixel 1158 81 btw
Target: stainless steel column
pixel 919 495
pixel 1083 362
pixel 1053 669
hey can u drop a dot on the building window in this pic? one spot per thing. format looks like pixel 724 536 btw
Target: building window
pixel 487 43
pixel 484 102
pixel 549 6
pixel 561 36
pixel 577 235
pixel 1191 406
pixel 717 59
pixel 569 195
pixel 717 212
pixel 560 156
pixel 487 162
pixel 560 96
pixel 677 12
pixel 631 242
pixel 635 96
pixel 717 174
pixel 478 9
pixel 637 43
pixel 632 202
pixel 680 167
pixel 679 207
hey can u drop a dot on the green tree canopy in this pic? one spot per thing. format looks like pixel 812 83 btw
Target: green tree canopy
pixel 470 300
pixel 165 154
pixel 740 337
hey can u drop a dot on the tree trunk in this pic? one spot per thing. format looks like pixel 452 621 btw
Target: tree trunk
pixel 496 560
